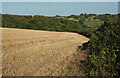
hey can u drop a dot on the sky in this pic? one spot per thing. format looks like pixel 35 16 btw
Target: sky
pixel 60 0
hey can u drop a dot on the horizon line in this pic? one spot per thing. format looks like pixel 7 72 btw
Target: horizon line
pixel 58 14
pixel 52 1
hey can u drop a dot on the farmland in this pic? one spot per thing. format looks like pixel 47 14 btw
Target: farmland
pixel 50 48
pixel 35 53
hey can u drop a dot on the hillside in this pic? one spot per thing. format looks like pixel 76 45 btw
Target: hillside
pixel 35 53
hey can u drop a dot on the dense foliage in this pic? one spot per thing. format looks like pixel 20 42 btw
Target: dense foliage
pixel 104 49
pixel 40 23
pixel 57 23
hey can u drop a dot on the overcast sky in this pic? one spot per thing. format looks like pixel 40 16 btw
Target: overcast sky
pixel 59 0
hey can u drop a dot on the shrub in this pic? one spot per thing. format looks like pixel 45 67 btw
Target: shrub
pixel 104 51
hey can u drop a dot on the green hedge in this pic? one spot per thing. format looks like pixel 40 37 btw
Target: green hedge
pixel 104 51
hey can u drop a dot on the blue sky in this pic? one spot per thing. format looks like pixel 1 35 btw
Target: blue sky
pixel 60 0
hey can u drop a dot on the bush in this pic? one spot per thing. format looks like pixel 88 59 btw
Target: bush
pixel 104 51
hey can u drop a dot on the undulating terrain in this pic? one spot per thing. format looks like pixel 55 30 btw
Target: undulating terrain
pixel 38 53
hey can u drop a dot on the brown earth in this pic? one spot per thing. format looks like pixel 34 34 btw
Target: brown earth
pixel 38 53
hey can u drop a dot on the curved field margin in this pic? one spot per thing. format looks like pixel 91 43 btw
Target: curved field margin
pixel 37 53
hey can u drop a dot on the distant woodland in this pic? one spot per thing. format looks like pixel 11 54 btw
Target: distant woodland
pixel 74 23
pixel 103 30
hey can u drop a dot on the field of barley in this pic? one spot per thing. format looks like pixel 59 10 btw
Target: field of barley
pixel 37 53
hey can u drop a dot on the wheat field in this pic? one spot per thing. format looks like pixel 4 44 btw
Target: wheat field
pixel 37 53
